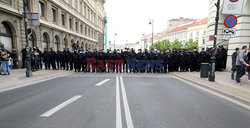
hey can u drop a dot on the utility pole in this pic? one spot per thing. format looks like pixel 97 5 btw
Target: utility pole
pixel 28 56
pixel 152 23
pixel 213 58
pixel 114 40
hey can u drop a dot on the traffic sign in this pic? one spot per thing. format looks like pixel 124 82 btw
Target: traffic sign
pixel 234 0
pixel 226 37
pixel 33 19
pixel 229 31
pixel 234 7
pixel 230 21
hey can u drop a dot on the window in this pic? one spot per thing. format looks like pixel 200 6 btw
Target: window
pixel 81 28
pixel 63 19
pixel 56 43
pixel 91 17
pixel 88 32
pixel 54 14
pixel 81 7
pixel 85 10
pixel 204 33
pixel 76 3
pixel 76 24
pixel 70 2
pixel 45 41
pixel 197 34
pixel 29 5
pixel 191 34
pixel 203 41
pixel 85 31
pixel 70 23
pixel 88 14
pixel 42 9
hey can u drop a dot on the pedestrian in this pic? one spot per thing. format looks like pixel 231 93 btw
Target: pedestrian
pixel 5 58
pixel 241 61
pixel 234 56
pixel 14 58
pixel 35 58
pixel 24 53
pixel 248 69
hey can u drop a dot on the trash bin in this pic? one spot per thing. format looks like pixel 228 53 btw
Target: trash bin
pixel 204 70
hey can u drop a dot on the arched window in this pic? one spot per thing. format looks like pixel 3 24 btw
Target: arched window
pixel 45 41
pixel 32 39
pixel 6 35
pixel 65 43
pixel 56 43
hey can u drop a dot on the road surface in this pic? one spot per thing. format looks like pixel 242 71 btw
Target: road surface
pixel 117 101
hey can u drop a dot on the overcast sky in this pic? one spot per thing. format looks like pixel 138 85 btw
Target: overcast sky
pixel 130 18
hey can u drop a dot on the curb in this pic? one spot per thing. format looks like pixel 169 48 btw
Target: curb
pixel 237 98
pixel 23 84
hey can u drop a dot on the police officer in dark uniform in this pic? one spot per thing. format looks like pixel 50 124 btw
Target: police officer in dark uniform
pixel 40 56
pixel 52 59
pixel 46 59
pixel 74 59
pixel 58 59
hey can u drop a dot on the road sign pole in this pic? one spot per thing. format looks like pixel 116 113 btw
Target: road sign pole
pixel 28 56
pixel 213 59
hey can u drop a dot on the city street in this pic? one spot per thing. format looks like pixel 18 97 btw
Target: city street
pixel 89 100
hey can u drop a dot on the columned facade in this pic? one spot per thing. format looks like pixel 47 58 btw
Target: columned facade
pixel 63 24
pixel 242 36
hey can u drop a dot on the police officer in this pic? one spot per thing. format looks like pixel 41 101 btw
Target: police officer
pixel 46 58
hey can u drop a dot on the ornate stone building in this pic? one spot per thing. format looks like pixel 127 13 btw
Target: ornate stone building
pixel 62 24
pixel 242 36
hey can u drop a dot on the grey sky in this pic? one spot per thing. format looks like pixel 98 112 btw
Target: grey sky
pixel 130 18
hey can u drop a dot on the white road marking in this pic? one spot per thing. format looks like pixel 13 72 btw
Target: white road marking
pixel 126 106
pixel 61 106
pixel 118 105
pixel 214 93
pixel 102 82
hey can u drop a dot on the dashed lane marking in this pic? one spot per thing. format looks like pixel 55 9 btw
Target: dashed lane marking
pixel 61 106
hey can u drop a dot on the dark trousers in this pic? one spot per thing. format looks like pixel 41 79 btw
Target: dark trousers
pixel 241 71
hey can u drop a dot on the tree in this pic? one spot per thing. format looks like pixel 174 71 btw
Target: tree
pixel 177 44
pixel 165 44
pixel 190 44
pixel 161 45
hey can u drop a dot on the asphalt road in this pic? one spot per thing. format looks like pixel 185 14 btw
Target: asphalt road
pixel 117 101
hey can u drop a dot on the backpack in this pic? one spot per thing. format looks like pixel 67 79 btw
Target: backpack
pixel 4 55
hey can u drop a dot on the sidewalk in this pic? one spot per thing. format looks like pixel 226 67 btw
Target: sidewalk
pixel 18 78
pixel 223 85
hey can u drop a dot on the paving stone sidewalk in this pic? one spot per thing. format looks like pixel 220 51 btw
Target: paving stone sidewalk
pixel 18 78
pixel 223 85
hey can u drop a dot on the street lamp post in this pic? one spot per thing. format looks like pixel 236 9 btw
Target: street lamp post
pixel 28 56
pixel 152 23
pixel 213 58
pixel 114 40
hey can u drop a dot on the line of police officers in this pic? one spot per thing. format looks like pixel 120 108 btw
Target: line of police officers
pixel 182 60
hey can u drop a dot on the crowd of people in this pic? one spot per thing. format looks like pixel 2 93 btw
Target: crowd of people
pixel 181 60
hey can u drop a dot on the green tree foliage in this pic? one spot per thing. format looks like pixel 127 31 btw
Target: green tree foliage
pixel 177 44
pixel 190 44
pixel 162 45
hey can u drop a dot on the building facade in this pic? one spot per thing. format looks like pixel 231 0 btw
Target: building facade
pixel 198 33
pixel 63 24
pixel 242 36
pixel 195 30
pixel 177 22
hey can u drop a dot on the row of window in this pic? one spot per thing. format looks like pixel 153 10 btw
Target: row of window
pixel 87 31
pixel 87 12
